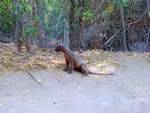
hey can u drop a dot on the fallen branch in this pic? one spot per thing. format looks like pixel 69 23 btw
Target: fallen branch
pixel 112 37
pixel 33 78
pixel 137 20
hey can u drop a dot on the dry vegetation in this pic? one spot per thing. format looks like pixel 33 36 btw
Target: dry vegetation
pixel 49 59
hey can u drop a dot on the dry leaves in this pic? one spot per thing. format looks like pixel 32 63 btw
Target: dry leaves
pixel 46 59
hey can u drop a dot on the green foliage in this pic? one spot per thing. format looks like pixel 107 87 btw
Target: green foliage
pixel 6 19
pixel 107 10
pixel 121 3
pixel 109 7
pixel 54 18
pixel 88 15
pixel 30 32
pixel 11 12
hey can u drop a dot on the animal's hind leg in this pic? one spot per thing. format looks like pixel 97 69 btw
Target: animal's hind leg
pixel 65 69
pixel 84 70
pixel 85 74
pixel 67 66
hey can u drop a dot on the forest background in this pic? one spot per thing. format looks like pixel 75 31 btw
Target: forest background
pixel 78 24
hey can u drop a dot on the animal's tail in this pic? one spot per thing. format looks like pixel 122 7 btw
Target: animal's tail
pixel 97 73
pixel 104 70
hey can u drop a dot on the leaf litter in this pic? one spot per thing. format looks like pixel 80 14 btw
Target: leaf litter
pixel 49 59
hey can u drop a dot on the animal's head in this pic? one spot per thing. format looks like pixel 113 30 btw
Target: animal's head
pixel 59 48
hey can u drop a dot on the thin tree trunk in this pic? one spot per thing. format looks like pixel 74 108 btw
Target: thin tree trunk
pixel 83 45
pixel 66 34
pixel 41 33
pixel 65 11
pixel 147 40
pixel 71 22
pixel 124 30
pixel 148 7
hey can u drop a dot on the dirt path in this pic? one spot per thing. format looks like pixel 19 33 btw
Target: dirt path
pixel 128 91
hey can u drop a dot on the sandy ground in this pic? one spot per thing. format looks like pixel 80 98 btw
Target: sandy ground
pixel 127 91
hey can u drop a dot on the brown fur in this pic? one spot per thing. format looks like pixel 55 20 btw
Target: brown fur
pixel 74 61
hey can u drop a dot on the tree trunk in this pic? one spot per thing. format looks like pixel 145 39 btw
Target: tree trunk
pixel 66 34
pixel 125 48
pixel 148 7
pixel 71 22
pixel 65 11
pixel 37 12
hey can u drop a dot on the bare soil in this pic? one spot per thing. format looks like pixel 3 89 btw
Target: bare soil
pixel 127 91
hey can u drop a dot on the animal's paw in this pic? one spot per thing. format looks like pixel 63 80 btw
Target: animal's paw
pixel 65 69
pixel 70 71
pixel 84 74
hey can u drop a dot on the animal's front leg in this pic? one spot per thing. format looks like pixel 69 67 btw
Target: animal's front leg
pixel 70 70
pixel 71 66
pixel 67 65
pixel 84 70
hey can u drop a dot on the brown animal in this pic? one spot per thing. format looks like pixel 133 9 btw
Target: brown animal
pixel 75 62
